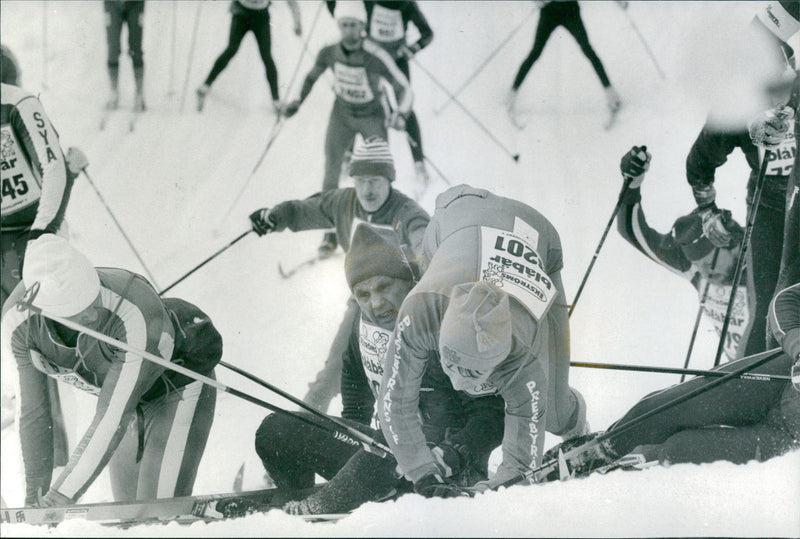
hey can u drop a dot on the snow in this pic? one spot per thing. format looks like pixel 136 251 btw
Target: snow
pixel 173 185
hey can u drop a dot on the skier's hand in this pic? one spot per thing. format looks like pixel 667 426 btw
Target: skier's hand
pixel 396 121
pixel 451 459
pixel 405 51
pixel 262 224
pixel 76 160
pixel 634 164
pixel 715 225
pixel 291 108
pixel 433 486
pixel 53 498
pixel 771 127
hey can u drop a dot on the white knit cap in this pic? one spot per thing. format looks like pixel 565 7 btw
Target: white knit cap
pixel 350 9
pixel 68 282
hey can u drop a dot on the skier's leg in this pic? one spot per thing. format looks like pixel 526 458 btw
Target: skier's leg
pixel 326 385
pixel 237 33
pixel 123 468
pixel 113 30
pixel 261 30
pixel 574 24
pixel 293 451
pixel 547 23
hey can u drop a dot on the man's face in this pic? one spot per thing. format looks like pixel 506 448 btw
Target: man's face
pixel 721 271
pixel 380 298
pixel 351 31
pixel 372 191
pixel 464 379
pixel 90 316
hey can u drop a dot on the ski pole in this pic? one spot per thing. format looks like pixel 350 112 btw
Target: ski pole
pixel 602 241
pixel 171 89
pixel 668 370
pixel 374 446
pixel 279 121
pixel 541 472
pixel 206 261
pixel 645 45
pixel 488 59
pixel 26 304
pixel 514 156
pixel 737 275
pixel 431 163
pixel 700 310
pixel 119 227
pixel 191 54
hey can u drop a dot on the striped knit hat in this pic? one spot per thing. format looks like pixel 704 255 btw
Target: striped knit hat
pixel 372 158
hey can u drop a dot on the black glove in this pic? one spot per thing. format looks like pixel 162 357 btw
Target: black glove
pixel 291 108
pixel 262 224
pixel 634 164
pixel 451 458
pixel 433 486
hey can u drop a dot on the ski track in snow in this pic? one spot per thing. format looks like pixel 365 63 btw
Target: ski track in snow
pixel 171 182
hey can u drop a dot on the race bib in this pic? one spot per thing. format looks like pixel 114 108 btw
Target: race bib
pixel 373 342
pixel 68 376
pixel 715 308
pixel 20 187
pixel 781 159
pixel 351 84
pixel 510 262
pixel 386 25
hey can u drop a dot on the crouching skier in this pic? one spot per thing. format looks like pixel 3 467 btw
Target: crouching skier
pixel 460 431
pixel 150 425
pixel 490 306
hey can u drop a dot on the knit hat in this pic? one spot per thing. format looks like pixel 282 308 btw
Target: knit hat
pixel 372 158
pixel 375 251
pixel 688 234
pixel 68 282
pixel 476 328
pixel 9 67
pixel 350 9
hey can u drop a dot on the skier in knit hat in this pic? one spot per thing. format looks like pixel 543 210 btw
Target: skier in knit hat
pixel 358 65
pixel 491 305
pixel 688 251
pixel 373 200
pixel 59 281
pixel 462 431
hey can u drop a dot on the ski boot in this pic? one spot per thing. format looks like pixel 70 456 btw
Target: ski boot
pixel 202 92
pixel 328 245
pixel 277 107
pixel 510 100
pixel 113 100
pixel 583 463
pixel 138 102
pixel 614 104
pixel 238 507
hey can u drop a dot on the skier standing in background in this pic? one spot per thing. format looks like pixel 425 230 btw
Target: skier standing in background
pixel 131 13
pixel 553 14
pixel 250 16
pixel 687 251
pixel 358 66
pixel 150 425
pixel 372 201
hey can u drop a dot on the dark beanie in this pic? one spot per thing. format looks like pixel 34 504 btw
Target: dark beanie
pixel 372 158
pixel 9 68
pixel 375 251
pixel 688 234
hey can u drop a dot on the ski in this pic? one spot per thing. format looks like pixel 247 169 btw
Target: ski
pixel 182 509
pixel 286 273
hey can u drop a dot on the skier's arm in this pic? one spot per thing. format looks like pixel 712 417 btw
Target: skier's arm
pixel 40 140
pixel 415 222
pixel 425 31
pixel 709 151
pixel 316 72
pixel 484 428
pixel 389 70
pixel 358 402
pixel 784 318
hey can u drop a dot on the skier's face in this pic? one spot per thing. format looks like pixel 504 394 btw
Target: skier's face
pixel 90 316
pixel 719 272
pixel 351 30
pixel 380 298
pixel 372 191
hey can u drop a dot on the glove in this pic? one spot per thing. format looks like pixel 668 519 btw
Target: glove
pixel 451 459
pixel 714 225
pixel 76 160
pixel 433 486
pixel 262 223
pixel 396 121
pixel 53 498
pixel 291 108
pixel 771 127
pixel 634 164
pixel 405 52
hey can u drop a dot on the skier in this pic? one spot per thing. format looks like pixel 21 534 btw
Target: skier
pixel 686 250
pixel 358 65
pixel 387 24
pixel 151 424
pixel 372 200
pixel 491 304
pixel 250 16
pixel 131 13
pixel 462 431
pixel 553 14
